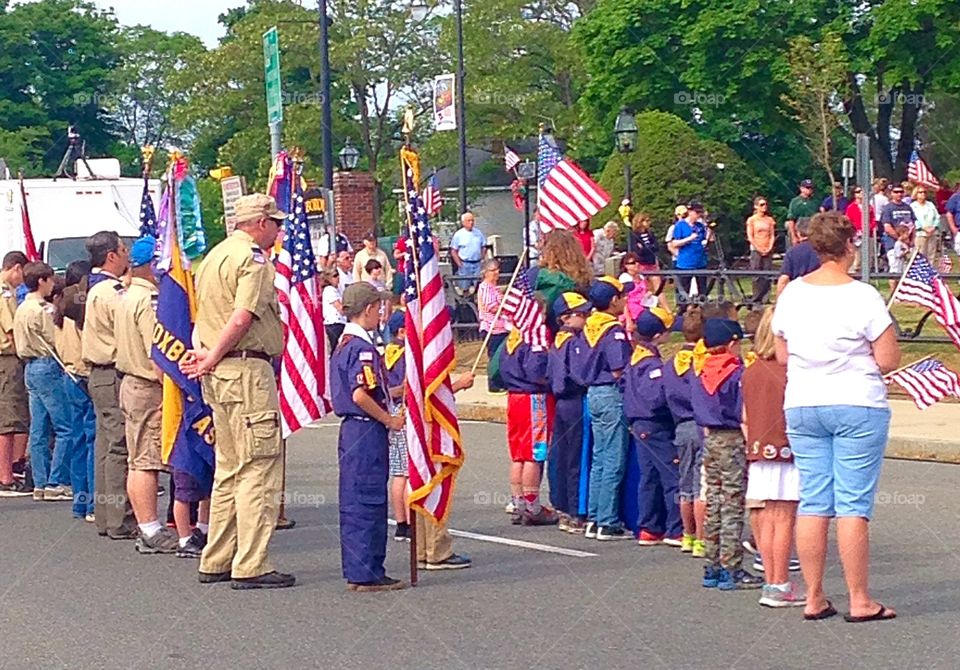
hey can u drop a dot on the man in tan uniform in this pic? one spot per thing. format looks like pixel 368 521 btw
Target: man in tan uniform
pixel 237 334
pixel 141 396
pixel 14 418
pixel 109 257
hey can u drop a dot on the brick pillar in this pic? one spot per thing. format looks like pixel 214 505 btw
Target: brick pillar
pixel 353 202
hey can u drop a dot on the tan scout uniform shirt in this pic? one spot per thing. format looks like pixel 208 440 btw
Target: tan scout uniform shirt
pixel 33 327
pixel 8 307
pixel 67 339
pixel 97 338
pixel 237 274
pixel 133 329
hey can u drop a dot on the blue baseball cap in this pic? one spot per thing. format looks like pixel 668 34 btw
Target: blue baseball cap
pixel 718 332
pixel 570 303
pixel 143 251
pixel 397 321
pixel 654 321
pixel 603 291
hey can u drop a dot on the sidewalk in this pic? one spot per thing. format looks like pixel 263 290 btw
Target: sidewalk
pixel 932 434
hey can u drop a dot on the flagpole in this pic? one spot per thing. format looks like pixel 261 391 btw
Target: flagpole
pixel 909 365
pixel 496 316
pixel 893 296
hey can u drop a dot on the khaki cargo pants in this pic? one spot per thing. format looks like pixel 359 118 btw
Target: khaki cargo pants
pixel 248 481
pixel 112 509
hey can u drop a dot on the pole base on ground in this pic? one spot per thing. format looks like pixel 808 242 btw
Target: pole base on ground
pixel 283 523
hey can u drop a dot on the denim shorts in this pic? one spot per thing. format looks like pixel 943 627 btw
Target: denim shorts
pixel 689 443
pixel 838 450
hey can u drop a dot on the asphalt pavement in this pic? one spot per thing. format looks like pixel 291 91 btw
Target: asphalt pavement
pixel 69 599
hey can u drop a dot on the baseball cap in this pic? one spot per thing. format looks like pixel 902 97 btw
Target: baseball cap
pixel 695 206
pixel 359 295
pixel 718 332
pixel 806 183
pixel 397 321
pixel 142 251
pixel 570 303
pixel 603 291
pixel 653 321
pixel 680 210
pixel 255 206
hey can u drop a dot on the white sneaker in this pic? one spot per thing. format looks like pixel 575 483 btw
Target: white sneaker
pixel 510 508
pixel 590 531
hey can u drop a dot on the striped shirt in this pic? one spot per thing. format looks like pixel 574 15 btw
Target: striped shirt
pixel 489 297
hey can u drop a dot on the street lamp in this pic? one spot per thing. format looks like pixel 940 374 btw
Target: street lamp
pixel 527 171
pixel 326 112
pixel 418 12
pixel 625 131
pixel 348 156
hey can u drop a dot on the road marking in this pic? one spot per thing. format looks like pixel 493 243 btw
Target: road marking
pixel 521 544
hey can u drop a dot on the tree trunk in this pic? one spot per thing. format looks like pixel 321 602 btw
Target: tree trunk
pixel 860 123
pixel 912 98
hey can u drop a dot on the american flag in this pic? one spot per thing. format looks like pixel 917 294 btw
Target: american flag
pixel 548 155
pixel 434 444
pixel 567 196
pixel 29 245
pixel 927 381
pixel 946 264
pixel 432 197
pixel 510 158
pixel 304 371
pixel 521 307
pixel 148 218
pixel 922 285
pixel 919 173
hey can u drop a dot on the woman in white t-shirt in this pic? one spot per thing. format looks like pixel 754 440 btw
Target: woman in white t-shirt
pixel 333 318
pixel 837 339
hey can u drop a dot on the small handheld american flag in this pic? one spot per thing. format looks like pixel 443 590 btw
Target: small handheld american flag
pixel 510 158
pixel 521 307
pixel 927 381
pixel 922 286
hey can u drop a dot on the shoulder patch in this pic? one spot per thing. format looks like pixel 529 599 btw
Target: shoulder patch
pixel 656 374
pixel 258 255
pixel 118 287
pixel 619 335
pixel 366 356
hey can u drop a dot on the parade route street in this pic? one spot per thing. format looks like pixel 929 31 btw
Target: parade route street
pixel 69 599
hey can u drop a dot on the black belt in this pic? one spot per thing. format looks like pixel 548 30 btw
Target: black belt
pixel 243 355
pixel 105 366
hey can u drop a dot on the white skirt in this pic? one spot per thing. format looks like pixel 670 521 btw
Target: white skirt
pixel 773 480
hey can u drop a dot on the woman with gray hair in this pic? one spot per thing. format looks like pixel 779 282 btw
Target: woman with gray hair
pixel 489 297
pixel 604 243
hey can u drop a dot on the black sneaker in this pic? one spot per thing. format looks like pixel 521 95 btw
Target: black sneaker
pixel 15 489
pixel 271 580
pixel 403 532
pixel 214 577
pixel 455 562
pixel 194 546
pixel 384 584
pixel 606 533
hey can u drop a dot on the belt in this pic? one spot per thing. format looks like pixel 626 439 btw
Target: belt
pixel 103 366
pixel 243 355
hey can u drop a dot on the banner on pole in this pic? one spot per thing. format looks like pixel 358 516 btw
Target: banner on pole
pixel 444 102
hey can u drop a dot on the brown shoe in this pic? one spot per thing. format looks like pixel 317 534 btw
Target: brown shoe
pixel 545 517
pixel 384 584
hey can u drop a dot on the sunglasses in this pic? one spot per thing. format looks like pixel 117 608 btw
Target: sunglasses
pixel 897 190
pixel 631 262
pixel 761 204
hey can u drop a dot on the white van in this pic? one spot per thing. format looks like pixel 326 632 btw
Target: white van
pixel 65 212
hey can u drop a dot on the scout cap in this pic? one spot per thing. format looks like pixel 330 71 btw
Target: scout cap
pixel 397 321
pixel 255 206
pixel 571 303
pixel 603 291
pixel 718 332
pixel 142 251
pixel 359 295
pixel 654 321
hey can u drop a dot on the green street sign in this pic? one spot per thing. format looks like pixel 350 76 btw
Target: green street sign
pixel 271 72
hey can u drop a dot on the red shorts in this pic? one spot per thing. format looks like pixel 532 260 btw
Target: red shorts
pixel 529 426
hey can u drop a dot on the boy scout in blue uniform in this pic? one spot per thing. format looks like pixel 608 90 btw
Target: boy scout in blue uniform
pixel 645 405
pixel 361 397
pixel 566 470
pixel 602 352
pixel 718 408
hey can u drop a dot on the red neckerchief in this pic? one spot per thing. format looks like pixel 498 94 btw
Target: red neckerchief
pixel 717 369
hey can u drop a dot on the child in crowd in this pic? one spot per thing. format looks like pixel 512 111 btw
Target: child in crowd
pixel 651 423
pixel 773 477
pixel 393 358
pixel 374 270
pixel 523 371
pixel 602 353
pixel 678 374
pixel 570 445
pixel 718 408
pixel 900 254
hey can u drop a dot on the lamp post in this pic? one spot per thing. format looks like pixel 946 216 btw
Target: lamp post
pixel 418 12
pixel 527 171
pixel 349 157
pixel 326 119
pixel 625 131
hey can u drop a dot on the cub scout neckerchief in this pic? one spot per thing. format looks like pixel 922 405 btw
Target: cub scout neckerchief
pixel 597 324
pixel 514 340
pixel 687 357
pixel 562 338
pixel 717 370
pixel 392 353
pixel 640 352
pixel 749 358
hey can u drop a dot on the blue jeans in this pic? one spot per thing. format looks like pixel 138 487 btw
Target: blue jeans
pixel 838 450
pixel 44 381
pixel 469 269
pixel 83 431
pixel 609 428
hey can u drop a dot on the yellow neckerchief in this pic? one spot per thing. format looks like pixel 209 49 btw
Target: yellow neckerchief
pixel 597 324
pixel 749 358
pixel 640 352
pixel 514 340
pixel 392 353
pixel 687 357
pixel 562 337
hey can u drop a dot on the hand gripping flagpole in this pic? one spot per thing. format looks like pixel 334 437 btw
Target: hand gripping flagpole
pixel 483 347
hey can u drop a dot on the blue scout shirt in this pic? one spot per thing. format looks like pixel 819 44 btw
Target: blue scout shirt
pixel 562 383
pixel 523 368
pixel 600 349
pixel 679 373
pixel 644 397
pixel 396 364
pixel 716 396
pixel 355 364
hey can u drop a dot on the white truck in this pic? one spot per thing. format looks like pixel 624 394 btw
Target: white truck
pixel 65 212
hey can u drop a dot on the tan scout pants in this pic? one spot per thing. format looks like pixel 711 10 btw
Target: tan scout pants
pixel 249 476
pixel 434 543
pixel 140 400
pixel 112 509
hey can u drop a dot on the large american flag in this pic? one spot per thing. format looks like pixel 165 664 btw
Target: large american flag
pixel 568 196
pixel 548 155
pixel 522 308
pixel 432 197
pixel 148 218
pixel 434 444
pixel 919 173
pixel 304 370
pixel 927 381
pixel 922 286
